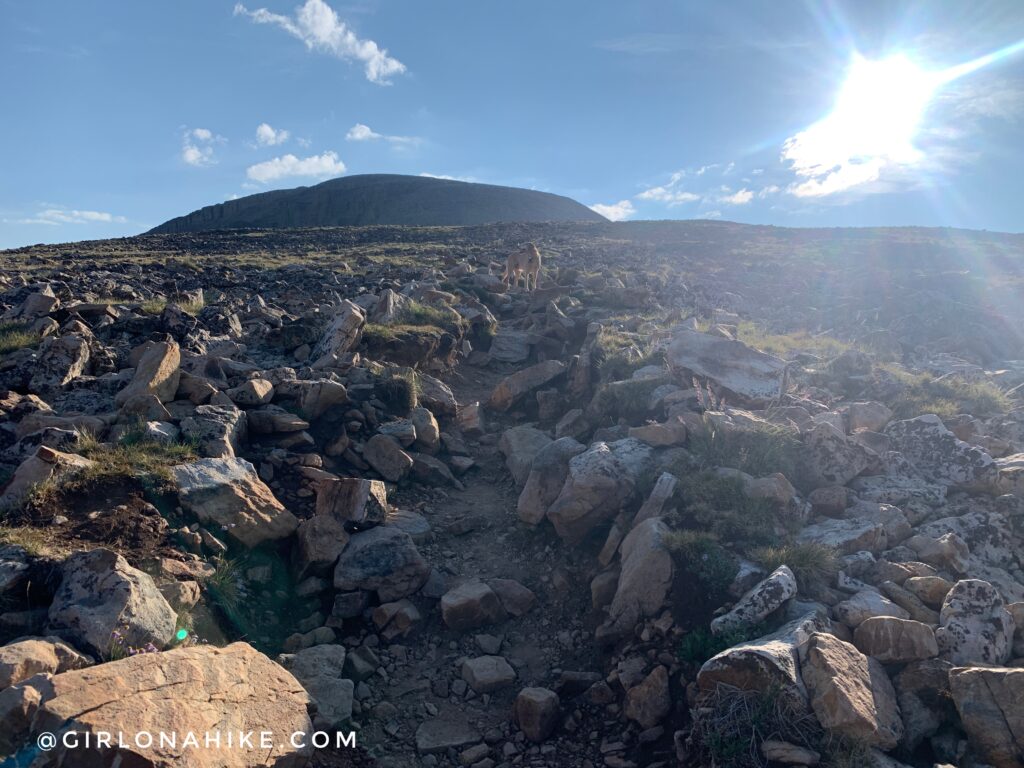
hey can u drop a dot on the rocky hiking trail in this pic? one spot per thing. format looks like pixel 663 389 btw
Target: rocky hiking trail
pixel 346 480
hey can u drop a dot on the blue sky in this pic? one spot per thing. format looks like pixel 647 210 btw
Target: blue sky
pixel 120 115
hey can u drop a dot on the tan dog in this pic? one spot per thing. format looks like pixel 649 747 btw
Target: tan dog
pixel 525 261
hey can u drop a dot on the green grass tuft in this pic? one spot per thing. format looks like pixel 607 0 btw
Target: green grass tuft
pixel 922 393
pixel 15 336
pixel 759 449
pixel 813 564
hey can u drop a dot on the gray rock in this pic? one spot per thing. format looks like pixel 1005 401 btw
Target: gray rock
pixel 383 560
pixel 99 594
pixel 976 627
pixel 765 598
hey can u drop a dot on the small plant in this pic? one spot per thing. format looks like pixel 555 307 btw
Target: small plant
pixel 134 454
pixel 719 505
pixel 946 397
pixel 15 336
pixel 618 355
pixel 698 646
pixel 814 565
pixel 627 399
pixel 733 723
pixel 398 391
pixel 758 448
pixel 223 587
pixel 704 560
pixel 788 345
pixel 419 314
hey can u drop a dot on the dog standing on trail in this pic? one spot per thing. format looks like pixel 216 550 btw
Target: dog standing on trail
pixel 524 262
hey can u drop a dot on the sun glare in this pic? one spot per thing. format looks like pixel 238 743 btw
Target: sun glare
pixel 879 109
pixel 877 115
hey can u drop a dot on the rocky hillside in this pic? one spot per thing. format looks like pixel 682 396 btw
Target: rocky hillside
pixel 371 199
pixel 651 514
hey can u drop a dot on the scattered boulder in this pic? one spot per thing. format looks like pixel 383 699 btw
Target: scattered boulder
pixel 195 689
pixel 600 482
pixel 229 494
pixel 386 456
pixel 320 670
pixel 989 703
pixel 850 692
pixel 470 605
pixel 741 371
pixel 895 641
pixel 156 373
pixel 548 471
pixel 938 456
pixel 99 595
pixel 513 389
pixel 486 674
pixel 382 560
pixel 756 605
pixel 646 578
pixel 976 627
pixel 536 711
pixel 649 702
pixel 520 446
pixel 24 658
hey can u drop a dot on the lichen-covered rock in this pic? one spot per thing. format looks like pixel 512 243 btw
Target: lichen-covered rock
pixel 600 482
pixel 341 336
pixel 763 599
pixel 939 457
pixel 382 560
pixel 828 457
pixel 100 594
pixel 863 605
pixel 976 627
pixel 217 430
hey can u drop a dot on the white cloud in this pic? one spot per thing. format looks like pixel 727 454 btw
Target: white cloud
pixel 710 215
pixel 58 216
pixel 446 177
pixel 771 189
pixel 270 137
pixel 197 156
pixel 317 25
pixel 670 193
pixel 739 197
pixel 361 132
pixel 619 211
pixel 317 166
pixel 197 146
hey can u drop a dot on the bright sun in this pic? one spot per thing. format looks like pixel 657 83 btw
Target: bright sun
pixel 876 117
pixel 879 109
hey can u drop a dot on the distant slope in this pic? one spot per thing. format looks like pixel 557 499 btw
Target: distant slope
pixel 382 199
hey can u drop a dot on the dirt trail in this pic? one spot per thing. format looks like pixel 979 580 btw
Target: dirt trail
pixel 476 534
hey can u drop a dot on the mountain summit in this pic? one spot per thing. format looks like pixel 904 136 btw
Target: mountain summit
pixel 382 199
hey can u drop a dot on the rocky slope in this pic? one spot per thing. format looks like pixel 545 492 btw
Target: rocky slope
pixel 369 199
pixel 648 515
